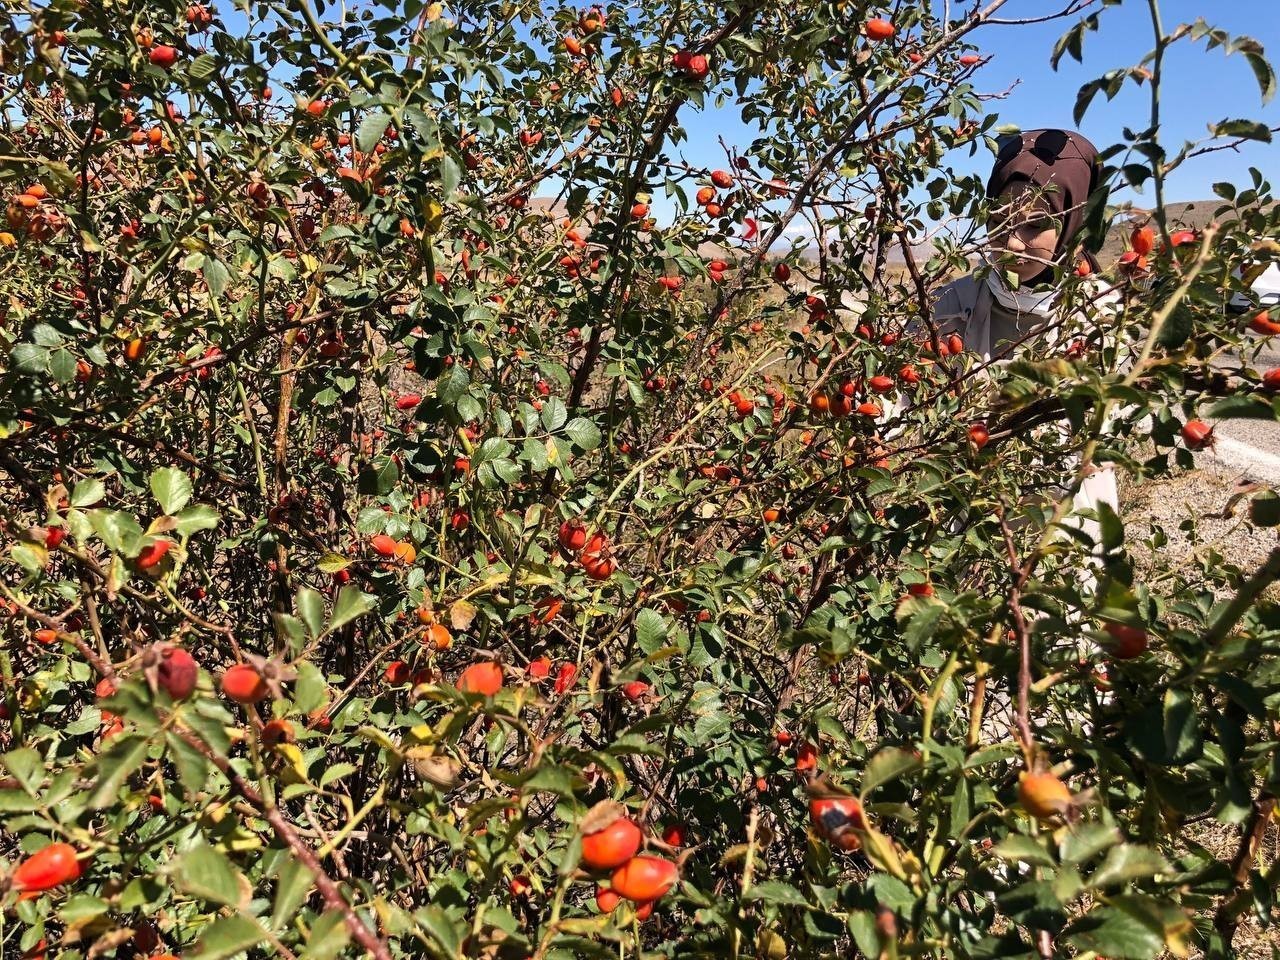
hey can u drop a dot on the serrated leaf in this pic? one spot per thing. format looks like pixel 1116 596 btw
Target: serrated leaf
pixel 32 557
pixel 450 175
pixel 584 433
pixel 1243 129
pixel 123 756
pixel 1183 739
pixel 87 492
pixel 1088 840
pixel 651 630
pixel 118 530
pixel 1083 98
pixel 198 516
pixel 1115 933
pixel 191 764
pixel 441 929
pixel 310 607
pixel 774 891
pixel 333 562
pixel 371 129
pixel 1128 862
pixel 30 358
pixel 311 690
pixel 24 765
pixel 226 937
pixel 293 884
pixel 1264 74
pixel 80 908
pixel 203 67
pixel 329 935
pixel 1241 405
pixel 351 604
pixel 554 414
pixel 208 874
pixel 1022 849
pixel 171 488
pixel 886 766
pixel 62 365
pixel 216 276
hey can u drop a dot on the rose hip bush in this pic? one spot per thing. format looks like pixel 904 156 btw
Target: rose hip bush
pixel 417 546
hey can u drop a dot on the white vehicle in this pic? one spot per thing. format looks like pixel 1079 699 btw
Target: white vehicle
pixel 1266 292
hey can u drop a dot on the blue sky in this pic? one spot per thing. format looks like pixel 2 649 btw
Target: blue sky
pixel 1200 87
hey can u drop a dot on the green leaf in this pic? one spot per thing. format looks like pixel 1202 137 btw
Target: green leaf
pixel 552 779
pixel 584 433
pixel 81 907
pixel 1111 525
pixel 32 557
pixel 1128 862
pixel 87 492
pixel 1070 42
pixel 925 614
pixel 1178 329
pixel 886 766
pixel 208 874
pixel 62 365
pixel 203 67
pixel 352 603
pixel 441 929
pixel 1086 841
pixel 198 516
pixel 293 883
pixel 379 479
pixel 1243 129
pixel 191 764
pixel 121 758
pixel 311 689
pixel 371 129
pixel 329 935
pixel 1264 73
pixel 216 275
pixel 30 358
pixel 171 488
pixel 1182 737
pixel 450 176
pixel 118 530
pixel 1116 933
pixel 1242 405
pixel 25 767
pixel 1084 98
pixel 493 448
pixel 335 772
pixel 554 414
pixel 310 607
pixel 1022 849
pixel 774 891
pixel 866 933
pixel 226 937
pixel 651 630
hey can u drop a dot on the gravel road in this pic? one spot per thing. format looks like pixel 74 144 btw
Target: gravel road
pixel 1251 447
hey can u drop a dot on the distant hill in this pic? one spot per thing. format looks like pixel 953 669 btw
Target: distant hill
pixel 1189 215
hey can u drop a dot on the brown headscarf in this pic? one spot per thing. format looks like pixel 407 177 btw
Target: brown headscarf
pixel 1061 158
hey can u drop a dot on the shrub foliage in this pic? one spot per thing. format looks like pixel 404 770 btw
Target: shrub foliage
pixel 393 499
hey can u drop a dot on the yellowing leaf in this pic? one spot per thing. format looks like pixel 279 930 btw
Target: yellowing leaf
pixel 432 217
pixel 461 614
